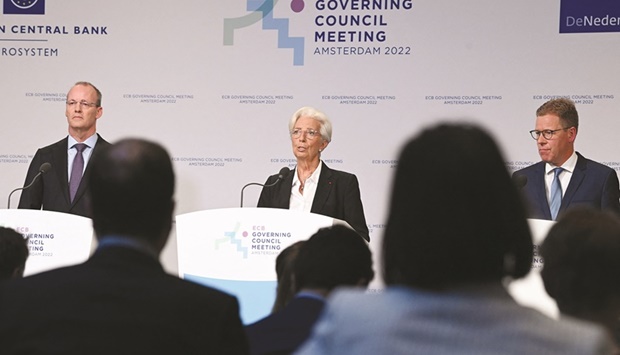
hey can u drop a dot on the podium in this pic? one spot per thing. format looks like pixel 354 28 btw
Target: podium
pixel 530 290
pixel 234 250
pixel 55 239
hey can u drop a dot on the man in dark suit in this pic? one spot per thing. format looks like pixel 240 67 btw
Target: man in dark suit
pixel 121 301
pixel 333 257
pixel 60 189
pixel 564 178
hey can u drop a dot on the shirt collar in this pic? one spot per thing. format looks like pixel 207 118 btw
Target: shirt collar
pixel 569 165
pixel 90 141
pixel 314 178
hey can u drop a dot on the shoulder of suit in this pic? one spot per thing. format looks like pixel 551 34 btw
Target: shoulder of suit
pixel 529 169
pixel 591 164
pixel 101 140
pixel 56 145
pixel 336 173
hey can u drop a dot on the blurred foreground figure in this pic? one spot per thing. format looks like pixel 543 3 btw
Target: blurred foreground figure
pixel 121 301
pixel 582 266
pixel 455 230
pixel 13 254
pixel 332 257
pixel 284 271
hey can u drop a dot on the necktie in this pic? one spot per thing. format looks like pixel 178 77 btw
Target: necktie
pixel 556 193
pixel 76 170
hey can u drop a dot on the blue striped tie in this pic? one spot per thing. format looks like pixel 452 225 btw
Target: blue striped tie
pixel 556 194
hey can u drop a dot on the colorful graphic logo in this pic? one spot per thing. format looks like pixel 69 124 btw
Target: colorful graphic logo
pixel 230 237
pixel 262 10
pixel 24 7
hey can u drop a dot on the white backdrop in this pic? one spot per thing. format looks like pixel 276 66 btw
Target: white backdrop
pixel 216 81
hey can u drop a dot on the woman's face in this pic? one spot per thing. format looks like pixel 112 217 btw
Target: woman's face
pixel 307 140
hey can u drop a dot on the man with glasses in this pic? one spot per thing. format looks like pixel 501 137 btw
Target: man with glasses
pixel 564 178
pixel 61 189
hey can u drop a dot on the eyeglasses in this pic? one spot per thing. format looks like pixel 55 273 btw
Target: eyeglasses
pixel 72 103
pixel 547 133
pixel 310 134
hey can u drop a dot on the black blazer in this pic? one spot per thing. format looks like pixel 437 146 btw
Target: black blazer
pixel 51 191
pixel 283 332
pixel 120 301
pixel 592 184
pixel 337 196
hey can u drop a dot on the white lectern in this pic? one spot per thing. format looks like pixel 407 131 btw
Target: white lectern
pixel 54 239
pixel 235 249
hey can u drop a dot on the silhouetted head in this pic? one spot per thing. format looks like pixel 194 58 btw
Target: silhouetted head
pixel 455 216
pixel 132 187
pixel 581 256
pixel 284 271
pixel 332 257
pixel 13 254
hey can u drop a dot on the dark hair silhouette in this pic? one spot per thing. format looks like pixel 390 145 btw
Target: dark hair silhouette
pixel 284 271
pixel 581 270
pixel 13 253
pixel 333 256
pixel 455 216
pixel 132 186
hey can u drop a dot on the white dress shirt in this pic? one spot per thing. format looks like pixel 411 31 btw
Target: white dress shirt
pixel 568 166
pixel 303 202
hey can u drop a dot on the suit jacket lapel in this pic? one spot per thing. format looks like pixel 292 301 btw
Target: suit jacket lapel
pixel 84 182
pixel 540 191
pixel 323 189
pixel 59 157
pixel 575 180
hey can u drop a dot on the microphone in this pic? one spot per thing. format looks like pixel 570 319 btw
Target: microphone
pixel 520 181
pixel 45 167
pixel 281 175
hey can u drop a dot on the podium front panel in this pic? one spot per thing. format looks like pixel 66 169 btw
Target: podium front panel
pixel 235 249
pixel 54 239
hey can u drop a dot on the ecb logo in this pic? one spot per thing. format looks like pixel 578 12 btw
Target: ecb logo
pixel 24 7
pixel 261 11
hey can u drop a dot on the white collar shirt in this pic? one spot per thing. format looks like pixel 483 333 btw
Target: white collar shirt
pixel 299 202
pixel 71 151
pixel 565 176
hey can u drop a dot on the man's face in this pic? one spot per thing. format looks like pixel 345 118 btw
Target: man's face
pixel 560 147
pixel 82 115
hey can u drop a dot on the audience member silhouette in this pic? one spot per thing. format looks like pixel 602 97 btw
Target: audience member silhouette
pixel 333 257
pixel 284 271
pixel 121 301
pixel 13 254
pixel 581 270
pixel 456 229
